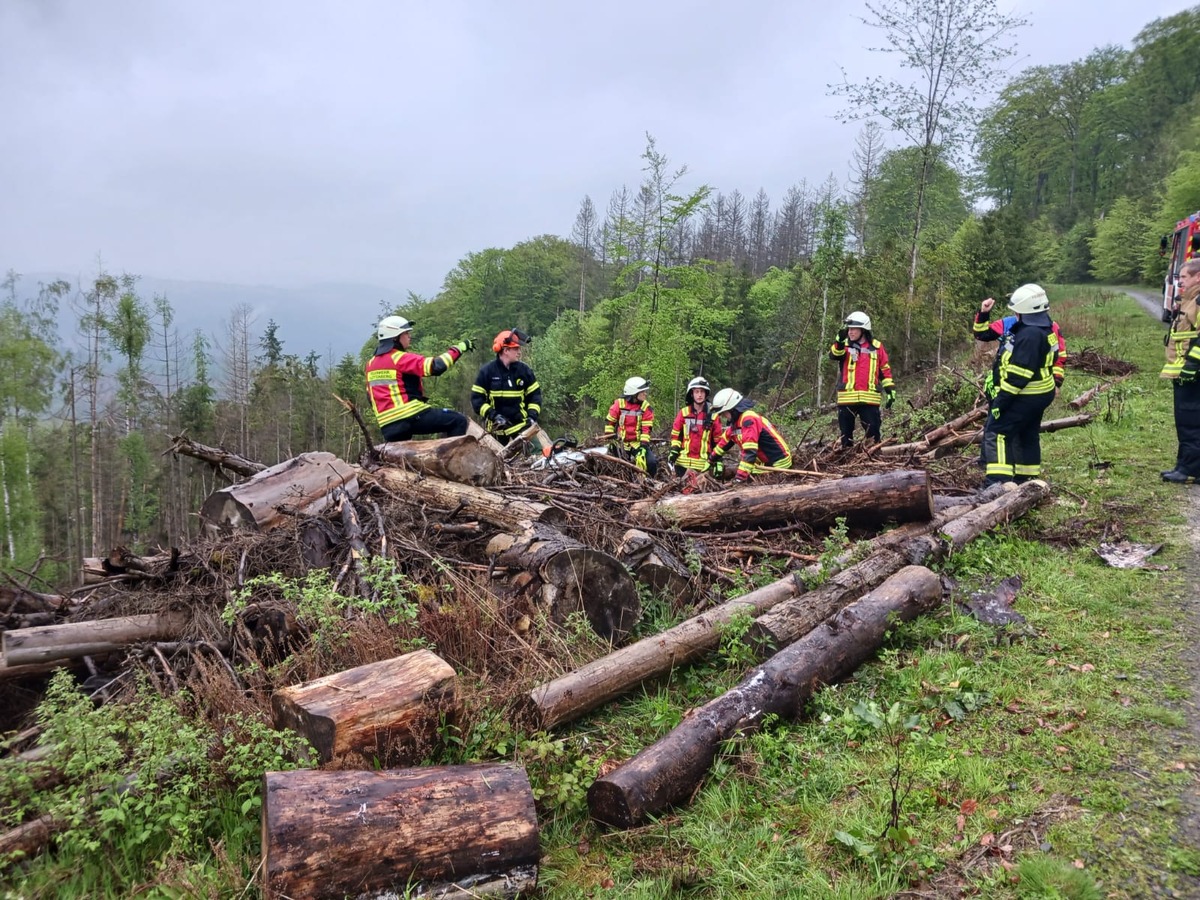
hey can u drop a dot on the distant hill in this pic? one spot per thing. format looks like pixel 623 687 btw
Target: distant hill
pixel 332 319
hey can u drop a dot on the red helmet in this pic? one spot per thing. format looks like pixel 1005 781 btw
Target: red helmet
pixel 512 337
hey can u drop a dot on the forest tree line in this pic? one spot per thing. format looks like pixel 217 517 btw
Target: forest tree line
pixel 1080 167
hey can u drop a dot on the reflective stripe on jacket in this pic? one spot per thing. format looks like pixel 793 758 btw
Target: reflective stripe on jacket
pixel 994 331
pixel 512 392
pixel 695 435
pixel 865 372
pixel 395 381
pixel 1181 339
pixel 630 421
pixel 1026 360
pixel 763 447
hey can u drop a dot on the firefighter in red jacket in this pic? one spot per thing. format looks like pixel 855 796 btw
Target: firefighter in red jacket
pixel 696 431
pixel 628 425
pixel 762 447
pixel 866 378
pixel 395 381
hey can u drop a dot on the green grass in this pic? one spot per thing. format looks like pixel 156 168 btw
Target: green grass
pixel 1047 761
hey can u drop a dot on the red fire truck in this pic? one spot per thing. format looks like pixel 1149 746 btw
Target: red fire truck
pixel 1179 246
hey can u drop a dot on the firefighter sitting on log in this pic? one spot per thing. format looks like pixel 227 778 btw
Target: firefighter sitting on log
pixel 506 393
pixel 696 430
pixel 762 447
pixel 628 423
pixel 396 384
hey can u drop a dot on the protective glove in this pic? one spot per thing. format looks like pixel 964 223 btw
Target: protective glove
pixel 672 456
pixel 466 345
pixel 995 412
pixel 1188 375
pixel 641 459
pixel 891 398
pixel 843 335
pixel 500 422
pixel 718 468
pixel 532 415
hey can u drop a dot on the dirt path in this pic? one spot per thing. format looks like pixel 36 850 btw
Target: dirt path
pixel 1150 302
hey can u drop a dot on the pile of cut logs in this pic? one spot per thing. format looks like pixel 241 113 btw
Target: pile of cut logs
pixel 472 830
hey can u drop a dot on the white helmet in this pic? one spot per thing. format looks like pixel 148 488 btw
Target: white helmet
pixel 635 385
pixel 726 399
pixel 699 382
pixel 858 320
pixel 393 326
pixel 1028 298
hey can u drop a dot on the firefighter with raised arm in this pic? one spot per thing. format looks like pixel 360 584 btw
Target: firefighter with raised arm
pixel 761 446
pixel 865 378
pixel 1024 377
pixel 995 331
pixel 695 432
pixel 395 382
pixel 506 393
pixel 628 423
pixel 1183 368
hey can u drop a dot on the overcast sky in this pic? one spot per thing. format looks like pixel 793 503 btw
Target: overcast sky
pixel 378 142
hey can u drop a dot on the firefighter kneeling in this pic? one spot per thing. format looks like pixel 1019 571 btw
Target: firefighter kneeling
pixel 763 448
pixel 628 425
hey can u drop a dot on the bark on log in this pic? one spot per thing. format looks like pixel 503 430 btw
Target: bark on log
pixel 955 425
pixel 30 646
pixel 477 431
pixel 28 839
pixel 868 500
pixel 9 673
pixel 120 561
pixel 571 695
pixel 573 577
pixel 388 710
pixel 299 486
pixel 462 459
pixel 219 458
pixel 793 618
pixel 509 513
pixel 668 772
pixel 655 566
pixel 15 600
pixel 452 831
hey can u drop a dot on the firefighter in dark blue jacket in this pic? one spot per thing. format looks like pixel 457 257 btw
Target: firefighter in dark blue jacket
pixel 1024 379
pixel 506 393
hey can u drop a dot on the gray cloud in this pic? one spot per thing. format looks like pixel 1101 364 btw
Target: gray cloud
pixel 288 143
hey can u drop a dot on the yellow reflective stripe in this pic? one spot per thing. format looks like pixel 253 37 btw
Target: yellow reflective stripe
pixel 1018 370
pixel 871 398
pixel 403 411
pixel 1184 335
pixel 1027 470
pixel 514 395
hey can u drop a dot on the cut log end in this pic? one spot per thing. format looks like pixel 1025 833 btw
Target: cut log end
pixel 594 582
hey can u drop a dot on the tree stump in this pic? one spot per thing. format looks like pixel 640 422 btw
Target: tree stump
pixel 446 831
pixel 654 566
pixel 388 710
pixel 573 577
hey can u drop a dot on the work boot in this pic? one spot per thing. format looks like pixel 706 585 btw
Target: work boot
pixel 1175 477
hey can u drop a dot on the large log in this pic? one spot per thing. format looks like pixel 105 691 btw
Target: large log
pixel 867 500
pixel 48 643
pixel 462 459
pixel 668 772
pixel 573 577
pixel 571 695
pixel 453 831
pixel 509 513
pixel 795 617
pixel 299 486
pixel 388 710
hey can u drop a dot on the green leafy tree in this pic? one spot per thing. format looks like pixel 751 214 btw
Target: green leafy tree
pixel 1117 248
pixel 954 50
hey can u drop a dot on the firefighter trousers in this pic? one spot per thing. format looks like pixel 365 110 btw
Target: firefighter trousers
pixel 427 421
pixel 1187 427
pixel 871 419
pixel 1012 444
